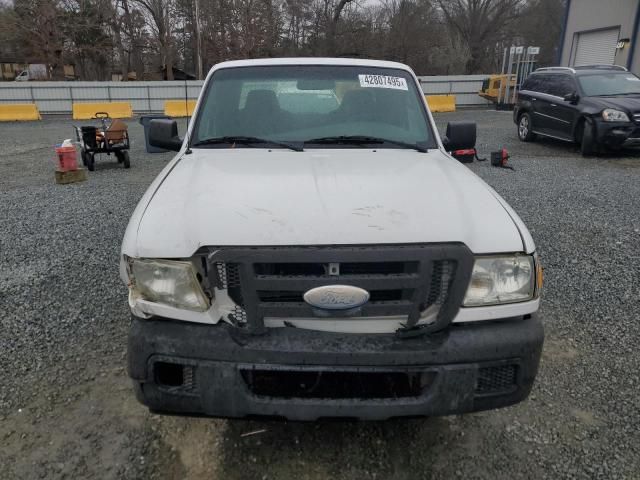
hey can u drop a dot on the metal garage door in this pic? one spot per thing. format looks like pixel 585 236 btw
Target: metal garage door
pixel 596 47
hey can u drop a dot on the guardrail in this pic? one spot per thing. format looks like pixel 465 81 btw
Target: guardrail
pixel 149 97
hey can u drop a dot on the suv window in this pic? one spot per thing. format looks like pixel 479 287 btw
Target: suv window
pixel 532 83
pixel 540 83
pixel 561 85
pixel 609 84
pixel 551 84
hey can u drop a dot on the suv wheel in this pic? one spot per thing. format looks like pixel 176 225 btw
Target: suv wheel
pixel 588 145
pixel 525 134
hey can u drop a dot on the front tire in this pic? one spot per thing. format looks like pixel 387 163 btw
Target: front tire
pixel 125 159
pixel 525 134
pixel 588 146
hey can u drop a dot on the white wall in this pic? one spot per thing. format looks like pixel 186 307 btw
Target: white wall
pixel 464 87
pixel 57 97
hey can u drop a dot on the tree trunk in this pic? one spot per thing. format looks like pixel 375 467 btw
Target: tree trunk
pixel 124 64
pixel 333 27
pixel 196 24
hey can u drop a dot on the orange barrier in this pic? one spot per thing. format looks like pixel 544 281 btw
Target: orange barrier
pixel 441 103
pixel 13 112
pixel 85 111
pixel 179 108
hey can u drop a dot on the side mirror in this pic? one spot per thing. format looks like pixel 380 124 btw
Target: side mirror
pixel 460 136
pixel 163 133
pixel 572 97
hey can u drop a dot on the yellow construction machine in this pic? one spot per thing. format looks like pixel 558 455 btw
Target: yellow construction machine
pixel 494 88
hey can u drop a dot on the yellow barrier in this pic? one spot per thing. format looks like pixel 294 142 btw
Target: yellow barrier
pixel 84 111
pixel 176 108
pixel 441 103
pixel 10 112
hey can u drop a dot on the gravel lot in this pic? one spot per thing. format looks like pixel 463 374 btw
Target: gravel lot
pixel 67 409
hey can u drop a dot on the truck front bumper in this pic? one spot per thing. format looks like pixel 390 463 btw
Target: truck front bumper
pixel 214 370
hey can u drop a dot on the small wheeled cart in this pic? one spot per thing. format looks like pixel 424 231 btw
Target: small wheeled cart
pixel 110 137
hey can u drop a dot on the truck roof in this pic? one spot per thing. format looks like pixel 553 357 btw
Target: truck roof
pixel 310 61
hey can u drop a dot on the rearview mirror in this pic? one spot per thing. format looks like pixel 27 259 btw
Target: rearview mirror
pixel 316 84
pixel 460 135
pixel 163 133
pixel 572 97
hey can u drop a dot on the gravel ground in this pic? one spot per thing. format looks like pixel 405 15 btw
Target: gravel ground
pixel 67 409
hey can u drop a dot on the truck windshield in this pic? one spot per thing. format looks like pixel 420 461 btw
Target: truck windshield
pixel 318 106
pixel 603 85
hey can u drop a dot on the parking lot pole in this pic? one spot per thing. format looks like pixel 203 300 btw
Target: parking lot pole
pixel 507 89
pixel 515 84
pixel 504 61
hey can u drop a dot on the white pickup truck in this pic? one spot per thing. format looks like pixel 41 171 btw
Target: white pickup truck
pixel 313 251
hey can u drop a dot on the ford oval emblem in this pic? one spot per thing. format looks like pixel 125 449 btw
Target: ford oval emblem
pixel 336 297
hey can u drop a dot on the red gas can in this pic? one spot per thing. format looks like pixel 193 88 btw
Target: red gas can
pixel 67 159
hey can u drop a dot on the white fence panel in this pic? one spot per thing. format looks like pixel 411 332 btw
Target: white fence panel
pixel 58 97
pixel 464 87
pixel 149 97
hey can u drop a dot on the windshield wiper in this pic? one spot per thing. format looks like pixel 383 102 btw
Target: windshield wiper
pixel 364 140
pixel 243 140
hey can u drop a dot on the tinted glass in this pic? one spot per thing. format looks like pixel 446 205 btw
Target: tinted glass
pixel 560 85
pixel 532 83
pixel 299 103
pixel 545 83
pixel 541 83
pixel 609 84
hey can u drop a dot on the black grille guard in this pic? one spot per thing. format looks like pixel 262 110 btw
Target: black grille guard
pixel 418 282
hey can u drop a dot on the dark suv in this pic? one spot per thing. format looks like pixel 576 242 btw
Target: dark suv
pixel 597 106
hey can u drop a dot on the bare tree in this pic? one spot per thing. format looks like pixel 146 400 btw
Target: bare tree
pixel 117 26
pixel 162 22
pixel 480 24
pixel 333 26
pixel 39 27
pixel 540 25
pixel 433 36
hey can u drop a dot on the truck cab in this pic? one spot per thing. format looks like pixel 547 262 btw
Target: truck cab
pixel 23 76
pixel 325 257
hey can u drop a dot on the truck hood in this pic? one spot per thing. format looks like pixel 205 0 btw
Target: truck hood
pixel 246 196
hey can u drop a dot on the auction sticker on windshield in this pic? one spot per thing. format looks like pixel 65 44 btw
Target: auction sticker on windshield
pixel 383 81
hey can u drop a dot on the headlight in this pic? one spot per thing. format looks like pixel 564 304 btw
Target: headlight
pixel 169 282
pixel 612 115
pixel 501 279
